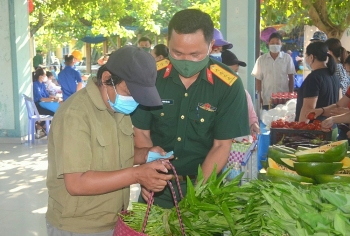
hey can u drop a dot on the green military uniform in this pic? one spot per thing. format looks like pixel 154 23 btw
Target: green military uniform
pixel 85 136
pixel 37 60
pixel 213 107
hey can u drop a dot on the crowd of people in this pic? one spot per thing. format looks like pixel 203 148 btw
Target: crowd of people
pixel 186 98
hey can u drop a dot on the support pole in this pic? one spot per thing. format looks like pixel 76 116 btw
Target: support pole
pixel 88 58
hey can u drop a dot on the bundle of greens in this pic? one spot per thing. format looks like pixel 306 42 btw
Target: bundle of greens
pixel 155 225
pixel 263 208
pixel 255 208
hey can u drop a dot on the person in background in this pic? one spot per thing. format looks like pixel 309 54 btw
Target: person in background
pixel 53 70
pixel 69 79
pixel 159 52
pixel 144 43
pixel 347 64
pixel 78 57
pixel 38 59
pixel 319 36
pixel 290 53
pixel 219 44
pixel 40 94
pixel 339 55
pixel 336 111
pixel 103 60
pixel 231 60
pixel 51 87
pixel 274 71
pixel 321 87
pixel 204 104
pixel 91 151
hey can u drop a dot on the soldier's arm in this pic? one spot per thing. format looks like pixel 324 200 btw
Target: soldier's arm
pixel 142 138
pixel 217 155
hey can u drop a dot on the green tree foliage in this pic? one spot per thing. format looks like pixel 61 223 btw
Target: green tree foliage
pixel 330 16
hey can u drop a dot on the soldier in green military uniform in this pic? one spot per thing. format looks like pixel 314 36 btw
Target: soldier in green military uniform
pixel 38 59
pixel 204 103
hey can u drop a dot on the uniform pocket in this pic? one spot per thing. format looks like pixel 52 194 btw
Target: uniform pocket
pixel 202 122
pixel 104 160
pixel 126 141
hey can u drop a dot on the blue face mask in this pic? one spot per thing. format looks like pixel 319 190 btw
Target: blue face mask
pixel 307 64
pixel 301 67
pixel 216 56
pixel 123 104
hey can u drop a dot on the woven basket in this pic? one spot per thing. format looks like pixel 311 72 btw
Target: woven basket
pixel 122 229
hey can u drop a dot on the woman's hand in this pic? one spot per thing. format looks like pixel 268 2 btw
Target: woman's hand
pixel 254 129
pixel 317 112
pixel 339 111
pixel 327 124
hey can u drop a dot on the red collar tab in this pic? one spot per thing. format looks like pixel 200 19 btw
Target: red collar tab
pixel 168 70
pixel 210 76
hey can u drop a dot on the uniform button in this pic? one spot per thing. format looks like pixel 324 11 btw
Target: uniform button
pixel 162 114
pixel 179 139
pixel 182 117
pixel 186 94
pixel 202 120
pixel 176 158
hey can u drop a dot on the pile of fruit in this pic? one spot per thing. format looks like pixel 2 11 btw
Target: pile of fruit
pixel 327 163
pixel 281 124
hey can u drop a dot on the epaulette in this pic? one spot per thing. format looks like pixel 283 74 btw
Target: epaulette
pixel 162 64
pixel 223 74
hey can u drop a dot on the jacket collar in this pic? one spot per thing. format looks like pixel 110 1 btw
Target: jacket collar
pixel 95 95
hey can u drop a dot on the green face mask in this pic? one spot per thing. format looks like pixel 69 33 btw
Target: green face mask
pixel 147 49
pixel 188 68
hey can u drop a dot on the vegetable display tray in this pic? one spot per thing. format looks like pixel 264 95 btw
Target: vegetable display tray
pixel 277 134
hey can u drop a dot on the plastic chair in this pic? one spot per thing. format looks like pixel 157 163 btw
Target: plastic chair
pixel 34 116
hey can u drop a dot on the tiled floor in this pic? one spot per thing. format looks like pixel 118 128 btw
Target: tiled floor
pixel 23 192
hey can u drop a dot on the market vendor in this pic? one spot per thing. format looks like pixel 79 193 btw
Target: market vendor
pixel 204 104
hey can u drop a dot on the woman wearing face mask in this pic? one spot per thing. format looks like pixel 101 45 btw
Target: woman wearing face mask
pixel 41 97
pixel 220 44
pixel 339 54
pixel 40 93
pixel 51 87
pixel 321 87
pixel 159 52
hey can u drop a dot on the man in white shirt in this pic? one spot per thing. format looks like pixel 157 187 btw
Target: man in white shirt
pixel 274 71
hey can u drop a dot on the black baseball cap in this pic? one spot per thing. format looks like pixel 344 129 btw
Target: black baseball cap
pixel 229 59
pixel 138 69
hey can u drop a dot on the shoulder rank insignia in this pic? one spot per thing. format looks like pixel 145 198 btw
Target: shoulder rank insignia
pixel 162 64
pixel 223 74
pixel 207 107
